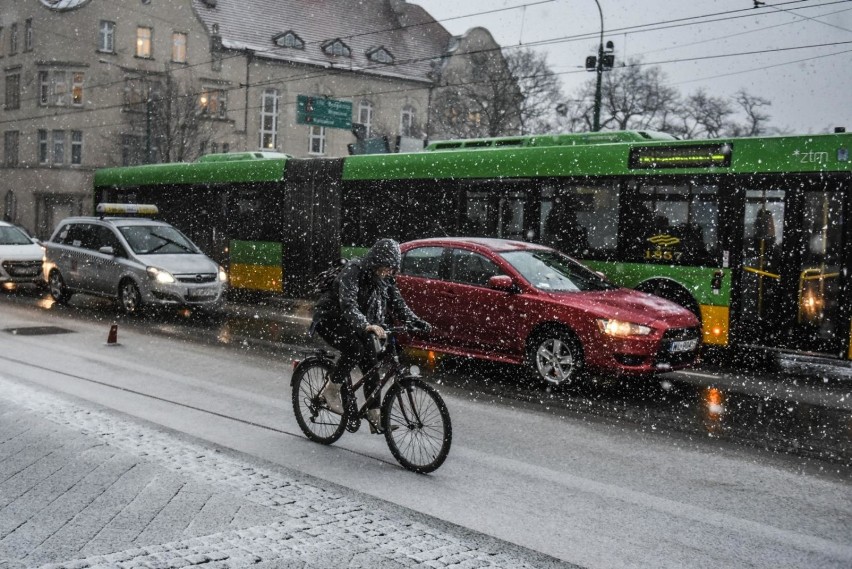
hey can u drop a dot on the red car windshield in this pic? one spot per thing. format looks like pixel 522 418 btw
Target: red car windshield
pixel 554 272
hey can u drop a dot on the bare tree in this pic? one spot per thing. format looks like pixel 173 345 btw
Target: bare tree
pixel 755 113
pixel 167 120
pixel 703 116
pixel 540 90
pixel 484 101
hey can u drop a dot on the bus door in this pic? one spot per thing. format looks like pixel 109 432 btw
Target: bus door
pixel 791 282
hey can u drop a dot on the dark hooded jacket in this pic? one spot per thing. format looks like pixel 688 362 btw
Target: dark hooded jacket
pixel 360 297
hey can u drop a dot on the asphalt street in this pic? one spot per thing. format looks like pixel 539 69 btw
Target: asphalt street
pixel 82 486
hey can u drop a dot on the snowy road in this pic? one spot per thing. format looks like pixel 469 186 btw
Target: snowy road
pixel 587 493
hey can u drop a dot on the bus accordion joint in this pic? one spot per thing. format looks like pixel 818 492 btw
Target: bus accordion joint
pixel 126 209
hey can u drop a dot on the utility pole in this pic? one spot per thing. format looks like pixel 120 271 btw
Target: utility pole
pixel 604 60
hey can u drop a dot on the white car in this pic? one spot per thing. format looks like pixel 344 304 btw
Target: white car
pixel 137 261
pixel 20 256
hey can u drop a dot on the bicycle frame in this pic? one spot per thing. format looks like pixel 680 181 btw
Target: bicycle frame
pixel 393 373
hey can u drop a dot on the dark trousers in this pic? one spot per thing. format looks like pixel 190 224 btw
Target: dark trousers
pixel 356 348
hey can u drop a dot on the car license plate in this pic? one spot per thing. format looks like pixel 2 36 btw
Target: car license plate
pixel 683 345
pixel 201 293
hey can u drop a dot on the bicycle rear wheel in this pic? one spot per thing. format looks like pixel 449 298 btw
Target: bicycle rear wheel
pixel 417 425
pixel 315 419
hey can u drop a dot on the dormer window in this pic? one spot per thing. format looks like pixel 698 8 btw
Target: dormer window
pixel 380 55
pixel 289 39
pixel 337 48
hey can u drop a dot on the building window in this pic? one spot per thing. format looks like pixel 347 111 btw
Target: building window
pixel 213 102
pixel 143 42
pixel 406 121
pixel 316 140
pixel 43 147
pixel 54 88
pixel 13 91
pixel 10 148
pixel 76 147
pixel 2 45
pixel 337 48
pixel 77 89
pixel 365 116
pixel 226 147
pixel 106 36
pixel 28 34
pixel 179 47
pixel 380 55
pixel 289 39
pixel 132 150
pixel 269 120
pixel 13 39
pixel 59 147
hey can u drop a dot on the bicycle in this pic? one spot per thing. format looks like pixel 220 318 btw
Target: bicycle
pixel 414 417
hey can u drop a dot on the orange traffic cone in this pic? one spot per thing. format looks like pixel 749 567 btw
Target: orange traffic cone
pixel 112 338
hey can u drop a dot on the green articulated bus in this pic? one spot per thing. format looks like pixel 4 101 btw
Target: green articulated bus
pixel 752 234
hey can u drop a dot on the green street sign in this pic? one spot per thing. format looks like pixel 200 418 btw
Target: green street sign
pixel 320 111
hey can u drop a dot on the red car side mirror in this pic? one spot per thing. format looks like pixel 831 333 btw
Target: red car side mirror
pixel 501 282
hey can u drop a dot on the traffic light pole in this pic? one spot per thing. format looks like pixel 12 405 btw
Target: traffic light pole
pixel 596 123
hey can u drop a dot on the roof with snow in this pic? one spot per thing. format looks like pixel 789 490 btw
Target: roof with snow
pixel 383 37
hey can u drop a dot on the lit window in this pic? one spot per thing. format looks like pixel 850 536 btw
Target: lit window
pixel 77 89
pixel 143 41
pixel 106 36
pixel 179 47
pixel 213 102
pixel 316 140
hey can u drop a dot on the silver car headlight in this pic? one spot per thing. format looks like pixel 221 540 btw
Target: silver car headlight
pixel 159 275
pixel 223 274
pixel 622 329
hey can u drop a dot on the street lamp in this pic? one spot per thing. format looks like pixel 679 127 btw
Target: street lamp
pixel 604 60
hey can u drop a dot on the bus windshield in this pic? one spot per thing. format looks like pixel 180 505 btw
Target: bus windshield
pixel 553 272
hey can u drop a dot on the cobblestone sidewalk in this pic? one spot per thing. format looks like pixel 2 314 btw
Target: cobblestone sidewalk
pixel 81 487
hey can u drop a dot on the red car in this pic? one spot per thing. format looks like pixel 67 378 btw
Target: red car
pixel 522 303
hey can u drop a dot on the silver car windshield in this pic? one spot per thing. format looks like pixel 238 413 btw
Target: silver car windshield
pixel 13 236
pixel 156 240
pixel 553 272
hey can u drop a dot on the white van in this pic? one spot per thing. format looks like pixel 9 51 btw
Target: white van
pixel 137 261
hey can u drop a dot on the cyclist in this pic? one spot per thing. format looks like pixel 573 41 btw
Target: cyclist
pixel 363 300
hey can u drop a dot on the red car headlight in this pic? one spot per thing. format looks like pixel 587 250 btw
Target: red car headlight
pixel 622 329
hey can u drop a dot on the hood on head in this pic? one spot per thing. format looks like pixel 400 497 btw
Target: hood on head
pixel 385 253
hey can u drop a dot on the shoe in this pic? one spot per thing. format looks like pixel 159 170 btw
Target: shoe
pixel 374 418
pixel 331 394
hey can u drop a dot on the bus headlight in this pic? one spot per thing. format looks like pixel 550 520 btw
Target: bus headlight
pixel 621 329
pixel 223 275
pixel 159 275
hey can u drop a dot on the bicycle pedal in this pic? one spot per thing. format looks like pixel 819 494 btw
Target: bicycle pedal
pixel 353 426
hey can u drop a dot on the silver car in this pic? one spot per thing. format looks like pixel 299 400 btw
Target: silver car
pixel 134 260
pixel 20 256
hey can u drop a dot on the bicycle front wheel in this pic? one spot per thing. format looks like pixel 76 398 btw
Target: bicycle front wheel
pixel 417 425
pixel 319 424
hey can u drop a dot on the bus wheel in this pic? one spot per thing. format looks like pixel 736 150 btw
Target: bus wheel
pixel 556 356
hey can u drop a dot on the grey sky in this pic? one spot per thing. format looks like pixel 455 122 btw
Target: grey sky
pixel 809 87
